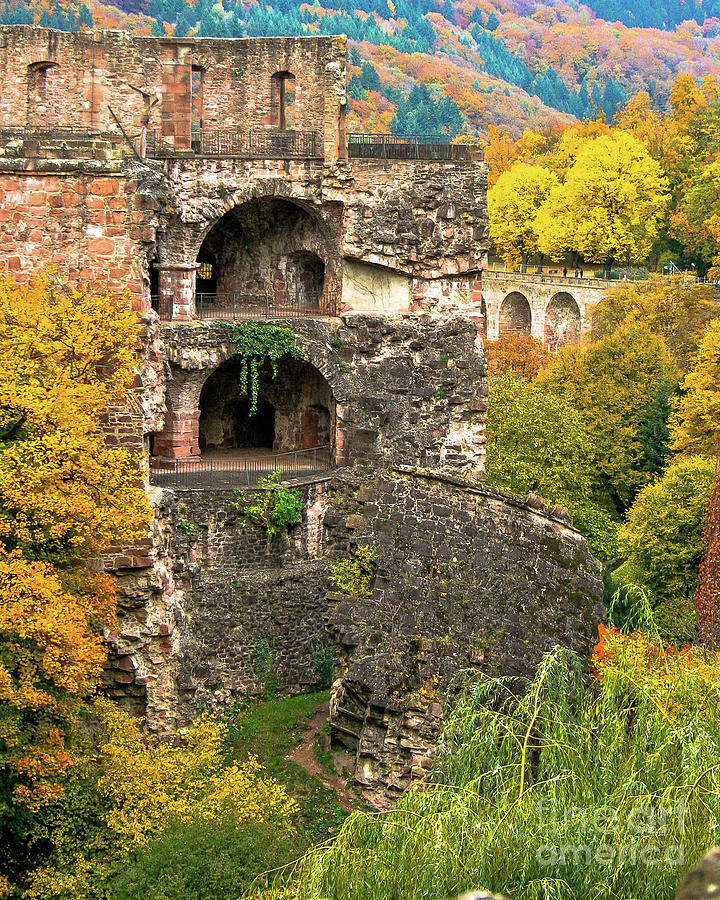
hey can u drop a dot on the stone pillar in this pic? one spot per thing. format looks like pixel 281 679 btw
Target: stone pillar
pixel 176 285
pixel 179 438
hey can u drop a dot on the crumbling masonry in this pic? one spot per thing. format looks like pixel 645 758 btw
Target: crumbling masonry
pixel 213 181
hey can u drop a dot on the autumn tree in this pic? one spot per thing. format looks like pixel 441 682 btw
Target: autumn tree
pixel 538 443
pixel 516 354
pixel 697 414
pixel 695 220
pixel 662 541
pixel 610 207
pixel 513 203
pixel 65 357
pixel 674 310
pixel 614 383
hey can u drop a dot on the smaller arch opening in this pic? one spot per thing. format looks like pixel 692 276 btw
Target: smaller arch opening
pixel 43 93
pixel 562 322
pixel 515 315
pixel 282 100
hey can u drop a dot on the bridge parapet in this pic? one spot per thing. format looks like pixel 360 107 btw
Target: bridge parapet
pixel 560 280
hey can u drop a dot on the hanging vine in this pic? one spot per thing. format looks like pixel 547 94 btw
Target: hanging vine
pixel 256 343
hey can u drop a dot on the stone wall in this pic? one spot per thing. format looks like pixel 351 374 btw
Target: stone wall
pixel 467 578
pixel 405 389
pixel 52 78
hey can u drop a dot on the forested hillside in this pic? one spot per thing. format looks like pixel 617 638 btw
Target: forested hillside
pixel 451 66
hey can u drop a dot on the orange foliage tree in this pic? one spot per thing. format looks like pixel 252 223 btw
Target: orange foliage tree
pixel 516 354
pixel 66 356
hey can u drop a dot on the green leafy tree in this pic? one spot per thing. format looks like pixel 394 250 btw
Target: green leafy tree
pixel 614 383
pixel 662 541
pixel 537 443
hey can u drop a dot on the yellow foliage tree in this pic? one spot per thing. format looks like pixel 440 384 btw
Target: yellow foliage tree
pixel 65 357
pixel 697 414
pixel 125 790
pixel 610 207
pixel 513 203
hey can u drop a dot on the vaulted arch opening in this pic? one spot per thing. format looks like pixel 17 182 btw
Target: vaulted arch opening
pixel 562 321
pixel 295 411
pixel 266 255
pixel 515 315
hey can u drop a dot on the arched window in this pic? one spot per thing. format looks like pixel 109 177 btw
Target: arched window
pixel 282 100
pixel 43 79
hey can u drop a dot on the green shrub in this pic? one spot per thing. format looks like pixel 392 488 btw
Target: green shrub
pixel 662 542
pixel 197 862
pixel 355 576
pixel 273 507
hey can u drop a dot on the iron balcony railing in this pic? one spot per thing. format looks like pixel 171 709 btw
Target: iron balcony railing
pixel 249 144
pixel 260 305
pixel 415 146
pixel 239 472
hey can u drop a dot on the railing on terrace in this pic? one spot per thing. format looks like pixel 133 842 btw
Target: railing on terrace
pixel 415 146
pixel 239 472
pixel 248 144
pixel 261 305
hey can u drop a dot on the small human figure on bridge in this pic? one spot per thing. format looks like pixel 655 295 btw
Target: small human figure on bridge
pixel 565 272
pixel 581 273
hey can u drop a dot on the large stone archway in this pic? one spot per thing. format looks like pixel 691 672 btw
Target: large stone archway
pixel 562 321
pixel 515 315
pixel 295 410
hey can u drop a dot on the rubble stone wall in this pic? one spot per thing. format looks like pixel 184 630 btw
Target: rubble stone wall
pixel 467 578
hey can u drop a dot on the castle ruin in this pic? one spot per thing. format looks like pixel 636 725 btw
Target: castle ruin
pixel 213 181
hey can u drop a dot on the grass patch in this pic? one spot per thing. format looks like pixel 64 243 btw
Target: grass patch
pixel 270 729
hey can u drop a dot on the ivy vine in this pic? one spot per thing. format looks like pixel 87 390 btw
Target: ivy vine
pixel 256 343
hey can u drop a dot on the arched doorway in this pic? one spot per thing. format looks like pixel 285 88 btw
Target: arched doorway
pixel 264 256
pixel 562 321
pixel 295 411
pixel 515 315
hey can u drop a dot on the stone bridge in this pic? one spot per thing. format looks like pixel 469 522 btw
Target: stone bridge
pixel 552 308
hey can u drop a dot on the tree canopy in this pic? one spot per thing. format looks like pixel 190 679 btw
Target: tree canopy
pixel 610 206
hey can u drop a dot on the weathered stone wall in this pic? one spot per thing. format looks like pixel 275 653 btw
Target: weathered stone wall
pixel 467 578
pixel 150 79
pixel 406 389
pixel 225 612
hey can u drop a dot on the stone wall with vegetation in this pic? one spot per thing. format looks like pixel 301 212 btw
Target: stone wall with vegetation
pixel 463 578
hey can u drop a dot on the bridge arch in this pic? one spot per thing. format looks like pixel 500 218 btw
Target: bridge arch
pixel 563 321
pixel 515 315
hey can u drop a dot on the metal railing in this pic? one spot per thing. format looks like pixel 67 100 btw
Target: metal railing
pixel 414 146
pixel 249 144
pixel 215 472
pixel 265 305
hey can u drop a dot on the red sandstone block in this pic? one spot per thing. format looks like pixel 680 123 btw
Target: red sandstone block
pixel 93 202
pixel 14 262
pixel 37 198
pixel 105 187
pixel 101 247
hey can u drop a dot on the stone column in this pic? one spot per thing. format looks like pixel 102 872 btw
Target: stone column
pixel 176 284
pixel 179 438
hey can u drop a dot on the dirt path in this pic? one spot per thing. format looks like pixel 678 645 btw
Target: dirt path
pixel 304 755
